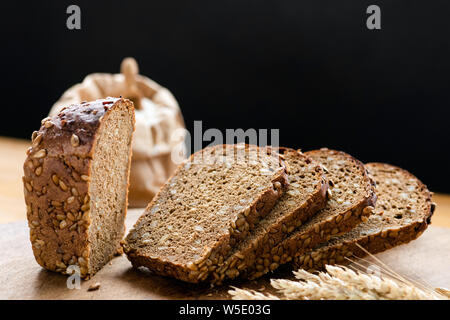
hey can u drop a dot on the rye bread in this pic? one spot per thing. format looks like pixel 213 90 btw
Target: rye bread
pixel 351 198
pixel 75 190
pixel 306 194
pixel 210 204
pixel 402 213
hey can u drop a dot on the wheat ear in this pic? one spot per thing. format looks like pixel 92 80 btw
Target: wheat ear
pixel 386 270
pixel 341 283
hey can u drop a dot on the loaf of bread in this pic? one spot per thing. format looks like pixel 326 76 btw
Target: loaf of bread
pixel 403 211
pixel 306 194
pixel 351 197
pixel 208 206
pixel 75 183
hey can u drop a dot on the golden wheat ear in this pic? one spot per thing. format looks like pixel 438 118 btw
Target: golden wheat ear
pixel 443 291
pixel 361 265
pixel 348 283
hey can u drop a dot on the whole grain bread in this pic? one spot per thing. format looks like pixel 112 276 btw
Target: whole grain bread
pixel 210 204
pixel 306 194
pixel 402 213
pixel 351 198
pixel 75 183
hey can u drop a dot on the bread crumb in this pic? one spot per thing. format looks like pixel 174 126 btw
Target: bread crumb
pixel 94 286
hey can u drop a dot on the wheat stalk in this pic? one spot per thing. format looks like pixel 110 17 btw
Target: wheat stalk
pixel 443 291
pixel 342 283
pixel 385 269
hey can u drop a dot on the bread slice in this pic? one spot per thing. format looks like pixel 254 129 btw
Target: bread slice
pixel 76 185
pixel 208 206
pixel 403 211
pixel 351 198
pixel 305 195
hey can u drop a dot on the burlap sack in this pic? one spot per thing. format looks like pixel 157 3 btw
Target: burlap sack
pixel 158 124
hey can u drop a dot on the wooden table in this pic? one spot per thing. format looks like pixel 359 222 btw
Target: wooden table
pixel 425 259
pixel 12 205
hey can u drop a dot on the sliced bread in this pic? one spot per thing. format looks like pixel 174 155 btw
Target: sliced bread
pixel 403 211
pixel 210 203
pixel 76 185
pixel 306 194
pixel 351 198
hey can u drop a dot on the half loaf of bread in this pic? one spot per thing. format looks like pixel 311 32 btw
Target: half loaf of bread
pixel 403 211
pixel 210 204
pixel 75 183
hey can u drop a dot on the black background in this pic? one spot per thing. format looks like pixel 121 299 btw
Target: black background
pixel 310 68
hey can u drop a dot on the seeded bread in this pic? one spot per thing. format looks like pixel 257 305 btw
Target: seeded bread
pixel 305 195
pixel 209 205
pixel 351 198
pixel 75 183
pixel 402 213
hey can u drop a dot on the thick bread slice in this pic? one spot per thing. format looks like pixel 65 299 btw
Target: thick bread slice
pixel 305 195
pixel 76 185
pixel 402 213
pixel 208 206
pixel 351 198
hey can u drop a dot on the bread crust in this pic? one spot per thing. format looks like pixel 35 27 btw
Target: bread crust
pixel 197 273
pixel 303 240
pixel 56 184
pixel 237 264
pixel 373 243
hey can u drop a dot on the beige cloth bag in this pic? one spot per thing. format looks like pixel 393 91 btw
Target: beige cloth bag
pixel 158 124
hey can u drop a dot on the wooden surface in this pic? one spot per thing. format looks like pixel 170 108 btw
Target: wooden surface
pixel 426 259
pixel 12 205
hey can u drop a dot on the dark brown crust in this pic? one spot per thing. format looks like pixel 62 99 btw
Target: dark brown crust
pixel 196 273
pixel 56 184
pixel 237 263
pixel 305 239
pixel 373 243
